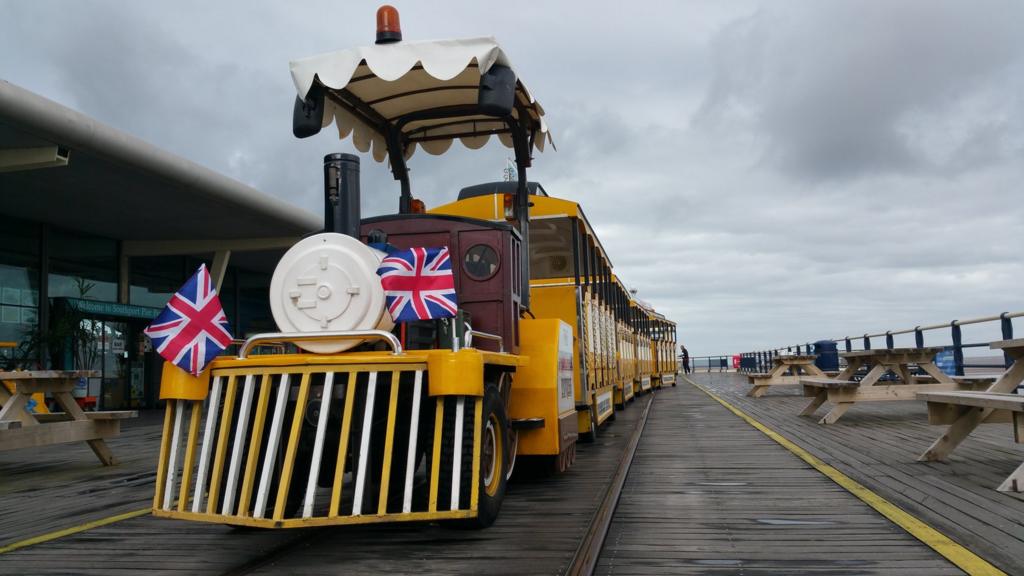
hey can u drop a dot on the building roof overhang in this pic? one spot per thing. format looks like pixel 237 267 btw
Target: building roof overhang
pixel 119 186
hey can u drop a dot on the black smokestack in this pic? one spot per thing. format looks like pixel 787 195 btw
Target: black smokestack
pixel 341 194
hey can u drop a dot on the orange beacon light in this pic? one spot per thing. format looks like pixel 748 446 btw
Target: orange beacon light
pixel 388 27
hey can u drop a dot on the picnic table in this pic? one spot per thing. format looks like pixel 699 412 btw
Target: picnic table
pixel 843 391
pixel 22 428
pixel 965 411
pixel 786 371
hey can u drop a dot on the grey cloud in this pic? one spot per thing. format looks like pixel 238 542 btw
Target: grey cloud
pixel 763 174
pixel 830 84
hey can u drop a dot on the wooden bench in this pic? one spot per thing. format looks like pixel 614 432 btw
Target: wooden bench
pixel 73 425
pixel 818 389
pixel 964 420
pixel 990 407
pixel 890 377
pixel 787 371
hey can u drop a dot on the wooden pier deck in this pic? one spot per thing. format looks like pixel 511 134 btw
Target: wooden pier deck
pixel 707 494
pixel 710 494
pixel 877 444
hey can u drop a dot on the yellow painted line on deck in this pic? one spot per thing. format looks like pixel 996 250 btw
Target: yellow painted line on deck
pixel 73 530
pixel 966 560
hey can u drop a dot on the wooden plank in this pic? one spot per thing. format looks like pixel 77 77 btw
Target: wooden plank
pixel 108 415
pixel 45 386
pixel 817 382
pixel 892 352
pixel 1017 344
pixel 975 380
pixel 48 374
pixel 943 413
pixel 58 433
pixel 996 400
pixel 887 393
pixel 14 409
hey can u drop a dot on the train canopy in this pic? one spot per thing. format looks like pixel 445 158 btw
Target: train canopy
pixel 403 94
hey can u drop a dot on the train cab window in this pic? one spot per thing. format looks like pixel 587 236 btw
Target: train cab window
pixel 481 262
pixel 551 253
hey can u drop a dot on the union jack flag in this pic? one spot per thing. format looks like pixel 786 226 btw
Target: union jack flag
pixel 192 328
pixel 418 284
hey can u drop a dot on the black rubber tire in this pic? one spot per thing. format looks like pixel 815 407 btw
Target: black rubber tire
pixel 591 435
pixel 491 496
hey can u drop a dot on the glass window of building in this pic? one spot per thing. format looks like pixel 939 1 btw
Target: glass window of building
pixel 82 266
pixel 253 304
pixel 154 279
pixel 19 290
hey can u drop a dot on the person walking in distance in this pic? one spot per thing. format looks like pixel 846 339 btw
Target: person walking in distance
pixel 686 360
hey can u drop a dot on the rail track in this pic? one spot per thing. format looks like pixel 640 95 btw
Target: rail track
pixel 582 562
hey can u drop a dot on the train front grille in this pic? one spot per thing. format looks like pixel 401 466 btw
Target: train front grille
pixel 306 446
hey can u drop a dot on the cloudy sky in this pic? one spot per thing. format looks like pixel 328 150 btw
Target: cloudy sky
pixel 765 173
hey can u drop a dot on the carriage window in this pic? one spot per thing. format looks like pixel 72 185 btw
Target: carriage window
pixel 551 248
pixel 481 262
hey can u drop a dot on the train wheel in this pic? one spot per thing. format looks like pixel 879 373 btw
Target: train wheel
pixel 566 458
pixel 494 458
pixel 505 389
pixel 592 434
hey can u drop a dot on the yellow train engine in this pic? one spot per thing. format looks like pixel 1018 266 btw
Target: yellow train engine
pixel 346 416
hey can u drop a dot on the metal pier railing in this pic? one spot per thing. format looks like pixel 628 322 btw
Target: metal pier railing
pixel 950 334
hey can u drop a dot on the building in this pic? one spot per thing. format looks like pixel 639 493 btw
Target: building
pixel 100 228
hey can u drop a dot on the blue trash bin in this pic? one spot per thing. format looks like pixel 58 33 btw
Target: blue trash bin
pixel 828 356
pixel 946 361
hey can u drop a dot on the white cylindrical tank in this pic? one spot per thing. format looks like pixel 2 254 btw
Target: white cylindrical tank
pixel 329 282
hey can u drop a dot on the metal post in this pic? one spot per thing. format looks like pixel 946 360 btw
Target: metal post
pixel 43 314
pixel 918 337
pixel 888 340
pixel 849 345
pixel 219 267
pixel 867 342
pixel 958 348
pixel 455 333
pixel 124 275
pixel 1006 324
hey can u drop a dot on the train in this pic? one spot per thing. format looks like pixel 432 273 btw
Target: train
pixel 347 416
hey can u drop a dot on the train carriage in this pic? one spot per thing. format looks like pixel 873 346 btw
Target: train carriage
pixel 624 346
pixel 642 327
pixel 663 343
